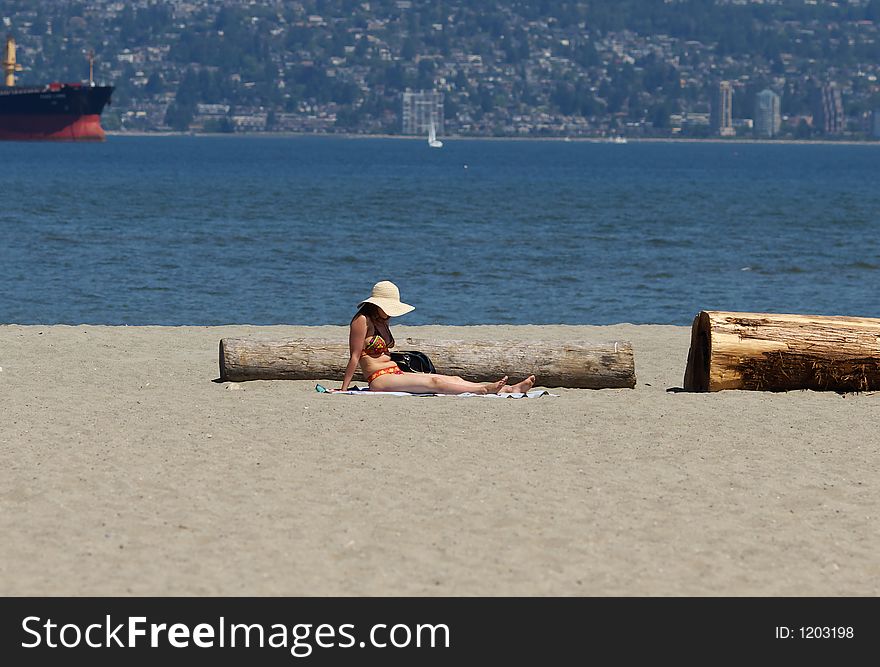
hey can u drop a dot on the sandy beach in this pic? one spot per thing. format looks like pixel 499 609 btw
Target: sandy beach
pixel 126 470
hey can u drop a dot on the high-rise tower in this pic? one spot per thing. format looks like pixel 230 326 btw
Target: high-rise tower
pixel 422 109
pixel 828 109
pixel 768 119
pixel 721 119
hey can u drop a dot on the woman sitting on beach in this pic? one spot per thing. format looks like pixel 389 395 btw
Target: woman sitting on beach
pixel 370 340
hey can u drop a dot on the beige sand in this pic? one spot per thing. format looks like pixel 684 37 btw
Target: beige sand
pixel 127 471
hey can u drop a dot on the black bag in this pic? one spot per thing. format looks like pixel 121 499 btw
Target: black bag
pixel 411 361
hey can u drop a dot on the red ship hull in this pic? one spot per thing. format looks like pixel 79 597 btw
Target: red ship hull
pixel 52 127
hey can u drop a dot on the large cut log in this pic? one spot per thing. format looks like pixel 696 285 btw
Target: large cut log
pixel 570 364
pixel 773 352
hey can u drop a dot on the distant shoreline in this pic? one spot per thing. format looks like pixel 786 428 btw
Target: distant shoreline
pixel 590 140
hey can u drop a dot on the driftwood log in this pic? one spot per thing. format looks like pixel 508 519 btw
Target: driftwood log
pixel 771 352
pixel 571 364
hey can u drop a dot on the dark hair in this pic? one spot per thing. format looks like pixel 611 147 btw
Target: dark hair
pixel 371 312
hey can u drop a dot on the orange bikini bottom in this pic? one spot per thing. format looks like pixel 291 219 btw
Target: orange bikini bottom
pixel 391 370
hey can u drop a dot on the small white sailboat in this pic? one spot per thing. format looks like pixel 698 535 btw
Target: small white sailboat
pixel 433 142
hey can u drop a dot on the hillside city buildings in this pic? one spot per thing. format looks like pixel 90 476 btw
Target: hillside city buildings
pixel 501 70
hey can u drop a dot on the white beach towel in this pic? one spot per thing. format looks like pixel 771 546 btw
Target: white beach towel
pixel 365 391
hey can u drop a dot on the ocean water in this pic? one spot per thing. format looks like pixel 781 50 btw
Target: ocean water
pixel 272 230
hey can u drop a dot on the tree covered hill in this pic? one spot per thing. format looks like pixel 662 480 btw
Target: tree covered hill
pixel 523 67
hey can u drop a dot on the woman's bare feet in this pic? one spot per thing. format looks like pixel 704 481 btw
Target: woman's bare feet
pixel 495 387
pixel 518 388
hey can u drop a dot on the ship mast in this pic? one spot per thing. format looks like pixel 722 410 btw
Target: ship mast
pixel 91 57
pixel 10 67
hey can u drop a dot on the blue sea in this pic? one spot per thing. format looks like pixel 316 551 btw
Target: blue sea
pixel 295 230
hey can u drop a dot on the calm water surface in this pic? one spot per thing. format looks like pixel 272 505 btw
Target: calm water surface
pixel 215 230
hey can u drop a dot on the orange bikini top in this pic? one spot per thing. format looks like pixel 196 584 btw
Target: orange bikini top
pixel 375 346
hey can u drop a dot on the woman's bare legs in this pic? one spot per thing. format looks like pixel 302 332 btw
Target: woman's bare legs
pixel 431 383
pixel 518 388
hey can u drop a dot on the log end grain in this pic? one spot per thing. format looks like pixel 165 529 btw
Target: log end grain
pixel 223 375
pixel 696 374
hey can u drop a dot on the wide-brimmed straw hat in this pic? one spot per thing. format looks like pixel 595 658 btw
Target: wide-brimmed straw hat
pixel 386 295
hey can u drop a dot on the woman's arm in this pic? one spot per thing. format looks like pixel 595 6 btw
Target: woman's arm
pixel 356 335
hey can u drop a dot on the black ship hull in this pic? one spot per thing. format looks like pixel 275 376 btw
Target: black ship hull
pixel 65 112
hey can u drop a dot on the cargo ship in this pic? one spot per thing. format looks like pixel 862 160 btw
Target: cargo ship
pixel 54 112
